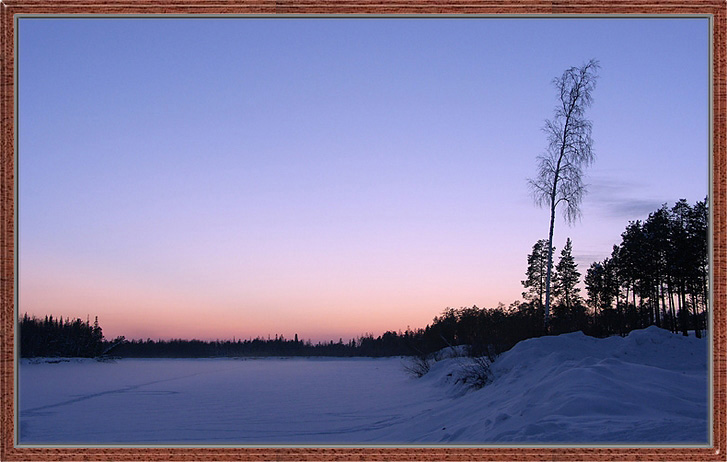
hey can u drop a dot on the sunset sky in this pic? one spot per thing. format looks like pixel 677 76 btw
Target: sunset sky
pixel 211 178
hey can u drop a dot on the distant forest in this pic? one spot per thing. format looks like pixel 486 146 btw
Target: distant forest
pixel 658 275
pixel 59 337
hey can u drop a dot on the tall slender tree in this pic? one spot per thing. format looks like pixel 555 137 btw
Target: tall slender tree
pixel 657 246
pixel 682 258
pixel 560 169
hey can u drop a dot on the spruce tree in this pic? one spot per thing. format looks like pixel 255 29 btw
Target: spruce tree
pixel 536 273
pixel 566 278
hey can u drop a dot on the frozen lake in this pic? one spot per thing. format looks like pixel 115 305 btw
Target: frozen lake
pixel 219 401
pixel 647 388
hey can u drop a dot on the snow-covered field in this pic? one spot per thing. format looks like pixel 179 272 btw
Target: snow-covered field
pixel 650 387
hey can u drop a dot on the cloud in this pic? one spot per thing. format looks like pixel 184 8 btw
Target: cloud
pixel 617 198
pixel 633 209
pixel 584 260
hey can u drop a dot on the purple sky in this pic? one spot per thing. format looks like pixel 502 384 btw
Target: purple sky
pixel 328 177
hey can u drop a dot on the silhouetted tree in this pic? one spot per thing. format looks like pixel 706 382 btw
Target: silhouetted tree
pixel 560 169
pixel 566 278
pixel 536 273
pixel 595 281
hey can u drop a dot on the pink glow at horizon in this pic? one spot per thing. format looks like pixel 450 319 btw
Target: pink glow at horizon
pixel 328 312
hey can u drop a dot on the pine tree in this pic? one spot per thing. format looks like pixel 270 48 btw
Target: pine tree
pixel 566 278
pixel 595 286
pixel 602 285
pixel 611 281
pixel 536 273
pixel 682 260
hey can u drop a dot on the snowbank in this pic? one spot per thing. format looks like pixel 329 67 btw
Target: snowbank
pixel 649 387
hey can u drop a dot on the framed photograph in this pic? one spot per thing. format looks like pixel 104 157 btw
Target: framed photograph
pixel 363 231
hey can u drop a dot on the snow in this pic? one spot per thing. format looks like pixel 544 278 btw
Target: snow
pixel 647 388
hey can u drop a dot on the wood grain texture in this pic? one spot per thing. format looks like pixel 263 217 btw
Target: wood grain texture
pixel 10 8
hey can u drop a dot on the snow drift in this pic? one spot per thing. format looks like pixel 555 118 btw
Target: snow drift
pixel 647 388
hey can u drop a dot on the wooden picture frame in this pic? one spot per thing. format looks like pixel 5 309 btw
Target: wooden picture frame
pixel 716 8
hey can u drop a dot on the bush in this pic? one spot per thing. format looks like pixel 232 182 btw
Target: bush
pixel 418 366
pixel 476 373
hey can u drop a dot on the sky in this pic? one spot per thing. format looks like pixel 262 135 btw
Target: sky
pixel 328 177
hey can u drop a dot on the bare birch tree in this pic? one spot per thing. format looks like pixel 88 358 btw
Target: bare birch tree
pixel 560 169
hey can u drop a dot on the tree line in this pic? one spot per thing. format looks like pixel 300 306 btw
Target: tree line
pixel 658 275
pixel 260 347
pixel 486 330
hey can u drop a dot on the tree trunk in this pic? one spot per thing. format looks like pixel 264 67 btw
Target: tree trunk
pixel 683 312
pixel 553 204
pixel 705 288
pixel 620 315
pixel 657 305
pixel 626 308
pixel 550 259
pixel 671 310
pixel 663 300
pixel 697 324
